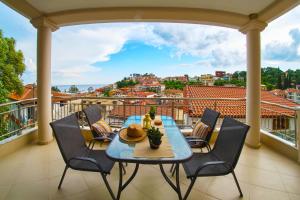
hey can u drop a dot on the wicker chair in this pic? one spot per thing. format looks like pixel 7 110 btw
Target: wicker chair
pixel 93 114
pixel 209 118
pixel 76 154
pixel 222 159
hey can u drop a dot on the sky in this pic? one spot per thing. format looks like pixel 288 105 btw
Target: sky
pixel 105 53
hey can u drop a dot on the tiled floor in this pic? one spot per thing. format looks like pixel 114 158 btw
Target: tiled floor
pixel 33 173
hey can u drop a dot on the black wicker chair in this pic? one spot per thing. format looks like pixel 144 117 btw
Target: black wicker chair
pixel 209 118
pixel 93 114
pixel 76 154
pixel 222 159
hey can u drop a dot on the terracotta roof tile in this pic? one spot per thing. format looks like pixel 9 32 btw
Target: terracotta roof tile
pixel 236 108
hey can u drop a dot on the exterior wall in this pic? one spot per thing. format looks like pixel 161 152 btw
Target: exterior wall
pixel 13 144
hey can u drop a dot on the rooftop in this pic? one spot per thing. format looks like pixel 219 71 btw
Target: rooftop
pixel 234 108
pixel 263 174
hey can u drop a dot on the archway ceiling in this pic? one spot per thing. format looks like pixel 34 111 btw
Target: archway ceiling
pixel 228 13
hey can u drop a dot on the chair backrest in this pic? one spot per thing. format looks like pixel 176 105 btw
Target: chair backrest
pixel 93 114
pixel 230 141
pixel 210 118
pixel 67 133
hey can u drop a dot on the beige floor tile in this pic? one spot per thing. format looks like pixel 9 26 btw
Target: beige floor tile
pixel 32 190
pixel 218 190
pixel 259 193
pixel 294 196
pixel 258 177
pixel 34 173
pixel 258 161
pixel 288 167
pixel 292 184
pixel 4 191
pixel 74 183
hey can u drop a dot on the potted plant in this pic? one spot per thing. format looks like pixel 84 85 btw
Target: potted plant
pixel 154 136
pixel 152 112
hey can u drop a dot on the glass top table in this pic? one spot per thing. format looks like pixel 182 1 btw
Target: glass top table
pixel 122 152
pixel 119 150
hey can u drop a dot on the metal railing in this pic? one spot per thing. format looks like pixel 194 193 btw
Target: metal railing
pixel 276 119
pixel 17 116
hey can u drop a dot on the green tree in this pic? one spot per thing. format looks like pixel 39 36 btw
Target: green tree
pixel 219 82
pixel 174 85
pixel 126 83
pixel 11 65
pixel 11 68
pixel 106 92
pixel 90 89
pixel 55 89
pixel 73 89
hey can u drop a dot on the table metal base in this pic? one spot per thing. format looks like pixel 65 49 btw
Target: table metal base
pixel 175 186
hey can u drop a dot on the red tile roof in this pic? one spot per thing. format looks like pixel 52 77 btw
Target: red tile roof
pixel 30 91
pixel 118 111
pixel 236 108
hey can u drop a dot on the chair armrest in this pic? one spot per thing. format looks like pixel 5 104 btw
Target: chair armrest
pixel 193 137
pixel 86 159
pixel 211 163
pixel 185 126
pixel 99 138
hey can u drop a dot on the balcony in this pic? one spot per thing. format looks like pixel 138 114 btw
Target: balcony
pixel 30 171
pixel 33 172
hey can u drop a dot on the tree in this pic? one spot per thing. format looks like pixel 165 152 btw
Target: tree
pixel 90 89
pixel 55 89
pixel 174 85
pixel 125 83
pixel 73 89
pixel 106 92
pixel 11 68
pixel 219 82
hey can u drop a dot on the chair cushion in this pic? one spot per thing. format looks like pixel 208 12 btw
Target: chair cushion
pixel 102 128
pixel 200 130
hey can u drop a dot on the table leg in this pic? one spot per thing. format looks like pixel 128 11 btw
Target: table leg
pixel 175 187
pixel 121 186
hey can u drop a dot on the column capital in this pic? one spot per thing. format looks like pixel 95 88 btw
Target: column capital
pixel 44 22
pixel 253 24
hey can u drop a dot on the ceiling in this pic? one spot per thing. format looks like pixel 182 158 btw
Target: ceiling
pixel 244 7
pixel 229 13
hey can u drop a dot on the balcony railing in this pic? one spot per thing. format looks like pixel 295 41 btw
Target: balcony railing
pixel 276 119
pixel 17 116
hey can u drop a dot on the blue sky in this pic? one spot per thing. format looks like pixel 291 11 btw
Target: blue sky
pixel 105 53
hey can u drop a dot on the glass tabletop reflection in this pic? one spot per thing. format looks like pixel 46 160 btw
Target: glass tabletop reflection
pixel 119 150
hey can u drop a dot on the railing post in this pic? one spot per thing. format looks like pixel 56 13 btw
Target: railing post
pixel 124 111
pixel 173 107
pixel 297 127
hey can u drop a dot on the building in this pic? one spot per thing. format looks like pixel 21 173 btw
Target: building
pixel 272 117
pixel 220 74
pixel 183 79
pixel 293 95
pixel 207 79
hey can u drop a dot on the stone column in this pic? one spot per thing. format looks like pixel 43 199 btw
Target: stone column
pixel 252 31
pixel 297 126
pixel 44 109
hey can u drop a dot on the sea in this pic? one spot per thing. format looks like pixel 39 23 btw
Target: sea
pixel 82 88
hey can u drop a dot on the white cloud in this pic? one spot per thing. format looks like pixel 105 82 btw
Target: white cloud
pixel 75 49
pixel 79 47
